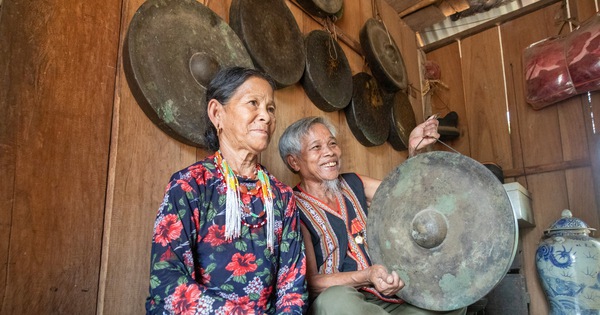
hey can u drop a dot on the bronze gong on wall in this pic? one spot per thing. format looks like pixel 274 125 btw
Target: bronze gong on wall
pixel 402 120
pixel 327 79
pixel 272 37
pixel 322 8
pixel 367 113
pixel 383 56
pixel 445 224
pixel 172 50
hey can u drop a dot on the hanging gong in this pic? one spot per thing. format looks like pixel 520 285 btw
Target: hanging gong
pixel 445 224
pixel 272 37
pixel 383 56
pixel 322 8
pixel 367 111
pixel 402 120
pixel 327 79
pixel 172 50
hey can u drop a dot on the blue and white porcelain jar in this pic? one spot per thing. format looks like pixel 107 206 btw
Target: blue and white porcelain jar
pixel 568 264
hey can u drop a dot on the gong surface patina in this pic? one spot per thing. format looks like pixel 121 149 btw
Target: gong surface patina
pixel 445 223
pixel 172 50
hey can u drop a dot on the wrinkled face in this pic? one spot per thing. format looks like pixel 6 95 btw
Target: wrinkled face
pixel 248 120
pixel 320 155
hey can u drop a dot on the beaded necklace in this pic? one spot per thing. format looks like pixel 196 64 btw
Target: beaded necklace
pixel 234 205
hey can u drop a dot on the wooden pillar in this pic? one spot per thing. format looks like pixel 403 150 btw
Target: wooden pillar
pixel 58 62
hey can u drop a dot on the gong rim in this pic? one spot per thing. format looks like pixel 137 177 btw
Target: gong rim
pixel 162 38
pixel 456 270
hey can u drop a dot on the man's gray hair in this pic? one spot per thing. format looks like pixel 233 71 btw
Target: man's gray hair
pixel 291 140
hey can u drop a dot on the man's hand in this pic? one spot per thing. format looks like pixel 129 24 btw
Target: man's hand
pixel 423 135
pixel 384 282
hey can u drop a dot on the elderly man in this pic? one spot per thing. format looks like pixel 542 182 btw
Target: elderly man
pixel 340 275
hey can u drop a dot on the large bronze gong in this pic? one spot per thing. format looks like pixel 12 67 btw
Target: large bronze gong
pixel 383 56
pixel 172 50
pixel 444 222
pixel 272 37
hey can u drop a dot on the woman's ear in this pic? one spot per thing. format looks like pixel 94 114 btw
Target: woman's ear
pixel 213 110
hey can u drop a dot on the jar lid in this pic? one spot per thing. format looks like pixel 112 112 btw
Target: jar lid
pixel 568 222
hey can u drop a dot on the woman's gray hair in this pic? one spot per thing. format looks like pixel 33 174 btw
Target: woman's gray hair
pixel 290 142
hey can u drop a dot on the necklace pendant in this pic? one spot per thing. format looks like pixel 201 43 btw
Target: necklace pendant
pixel 359 239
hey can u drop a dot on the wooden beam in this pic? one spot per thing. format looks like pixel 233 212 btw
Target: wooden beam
pixel 416 7
pixel 552 167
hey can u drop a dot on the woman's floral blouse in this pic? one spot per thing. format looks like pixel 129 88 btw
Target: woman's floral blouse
pixel 195 270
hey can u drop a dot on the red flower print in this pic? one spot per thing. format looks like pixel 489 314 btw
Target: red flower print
pixel 184 185
pixel 290 299
pixel 168 229
pixel 265 296
pixel 196 218
pixel 184 299
pixel 241 306
pixel 240 265
pixel 166 255
pixel 215 235
pixel 205 276
pixel 287 277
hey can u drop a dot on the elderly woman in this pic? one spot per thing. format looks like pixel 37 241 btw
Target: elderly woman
pixel 334 216
pixel 227 235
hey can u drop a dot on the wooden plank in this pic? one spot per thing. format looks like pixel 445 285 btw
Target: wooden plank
pixel 582 202
pixel 538 169
pixel 142 158
pixel 401 5
pixel 485 99
pixel 424 18
pixel 445 100
pixel 535 137
pixel 62 82
pixel 549 195
pixel 450 7
pixel 581 10
pixel 417 7
pixel 592 126
pixel 10 66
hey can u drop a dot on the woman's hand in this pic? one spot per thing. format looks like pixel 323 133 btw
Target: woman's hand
pixel 384 282
pixel 423 135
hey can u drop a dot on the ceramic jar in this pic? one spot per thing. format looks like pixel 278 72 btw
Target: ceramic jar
pixel 568 264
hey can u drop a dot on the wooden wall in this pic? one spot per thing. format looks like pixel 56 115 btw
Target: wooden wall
pixel 58 61
pixel 83 169
pixel 552 152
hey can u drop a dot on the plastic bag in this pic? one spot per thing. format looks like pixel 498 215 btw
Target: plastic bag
pixel 547 78
pixel 583 55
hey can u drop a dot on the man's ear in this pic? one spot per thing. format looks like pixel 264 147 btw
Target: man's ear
pixel 293 162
